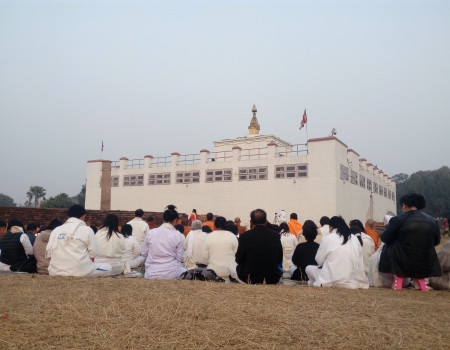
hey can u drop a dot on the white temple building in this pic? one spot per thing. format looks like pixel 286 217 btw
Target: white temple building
pixel 321 177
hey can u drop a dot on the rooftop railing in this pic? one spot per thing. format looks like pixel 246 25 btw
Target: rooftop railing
pixel 186 159
pixel 162 161
pixel 223 156
pixel 254 153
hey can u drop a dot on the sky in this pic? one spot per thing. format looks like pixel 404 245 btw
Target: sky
pixel 156 77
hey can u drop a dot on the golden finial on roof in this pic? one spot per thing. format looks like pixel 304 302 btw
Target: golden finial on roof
pixel 254 125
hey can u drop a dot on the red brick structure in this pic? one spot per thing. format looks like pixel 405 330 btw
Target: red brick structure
pixel 44 216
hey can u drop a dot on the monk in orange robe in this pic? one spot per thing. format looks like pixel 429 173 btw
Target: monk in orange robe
pixel 241 229
pixel 294 226
pixel 370 231
pixel 209 221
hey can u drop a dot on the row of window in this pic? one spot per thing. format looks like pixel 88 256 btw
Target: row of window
pixel 218 175
pixel 365 183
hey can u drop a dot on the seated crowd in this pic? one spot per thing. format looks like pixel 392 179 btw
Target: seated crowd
pixel 332 254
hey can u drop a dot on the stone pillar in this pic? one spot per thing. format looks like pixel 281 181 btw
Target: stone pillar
pixel 123 163
pixel 204 156
pixel 105 185
pixel 272 150
pixel 175 158
pixel 148 161
pixel 236 153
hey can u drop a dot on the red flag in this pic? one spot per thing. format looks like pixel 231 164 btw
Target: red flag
pixel 304 120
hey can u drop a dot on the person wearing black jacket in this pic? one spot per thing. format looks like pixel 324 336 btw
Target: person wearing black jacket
pixel 305 253
pixel 410 239
pixel 259 253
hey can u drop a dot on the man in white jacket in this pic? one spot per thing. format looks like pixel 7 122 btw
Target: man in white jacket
pixel 140 227
pixel 72 246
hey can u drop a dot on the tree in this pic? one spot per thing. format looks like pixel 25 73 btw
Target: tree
pixel 80 198
pixel 6 201
pixel 61 200
pixel 37 192
pixel 435 187
pixel 400 178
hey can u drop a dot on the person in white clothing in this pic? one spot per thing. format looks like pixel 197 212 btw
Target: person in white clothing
pixel 288 242
pixel 72 246
pixel 280 217
pixel 194 244
pixel 140 227
pixel 163 249
pixel 339 259
pixel 220 248
pixel 132 258
pixel 367 243
pixel 111 245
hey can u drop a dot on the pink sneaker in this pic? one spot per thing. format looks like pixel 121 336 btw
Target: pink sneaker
pixel 397 282
pixel 420 283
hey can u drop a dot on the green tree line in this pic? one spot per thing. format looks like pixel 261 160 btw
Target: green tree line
pixel 434 185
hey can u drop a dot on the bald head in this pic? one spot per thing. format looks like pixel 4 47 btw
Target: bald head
pixel 258 217
pixel 237 221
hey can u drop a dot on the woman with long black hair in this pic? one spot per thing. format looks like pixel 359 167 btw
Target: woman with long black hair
pixel 111 244
pixel 339 259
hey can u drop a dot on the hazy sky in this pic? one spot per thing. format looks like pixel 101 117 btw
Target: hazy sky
pixel 155 77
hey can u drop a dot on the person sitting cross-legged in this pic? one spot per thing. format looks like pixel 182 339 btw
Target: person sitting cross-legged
pixel 259 254
pixel 305 253
pixel 72 246
pixel 339 259
pixel 163 249
pixel 220 248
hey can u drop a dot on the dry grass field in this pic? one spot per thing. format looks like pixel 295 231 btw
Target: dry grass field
pixel 41 312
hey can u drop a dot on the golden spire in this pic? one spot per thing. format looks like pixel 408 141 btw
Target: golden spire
pixel 254 125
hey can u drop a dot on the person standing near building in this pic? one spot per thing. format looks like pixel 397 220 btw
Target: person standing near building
pixel 72 246
pixel 259 253
pixel 140 227
pixel 193 217
pixel 241 229
pixel 294 226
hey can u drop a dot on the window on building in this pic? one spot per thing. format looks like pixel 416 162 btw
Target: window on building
pixel 259 173
pixel 393 196
pixel 385 192
pixel 133 180
pixel 375 187
pixel 354 177
pixel 219 175
pixel 369 185
pixel 159 179
pixel 114 181
pixel 187 177
pixel 362 181
pixel 291 171
pixel 344 173
pixel 380 190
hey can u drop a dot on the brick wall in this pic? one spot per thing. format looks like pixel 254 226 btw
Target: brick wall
pixel 44 216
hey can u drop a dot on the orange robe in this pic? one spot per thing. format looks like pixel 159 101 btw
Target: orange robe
pixel 374 236
pixel 210 224
pixel 295 227
pixel 241 229
pixel 186 230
